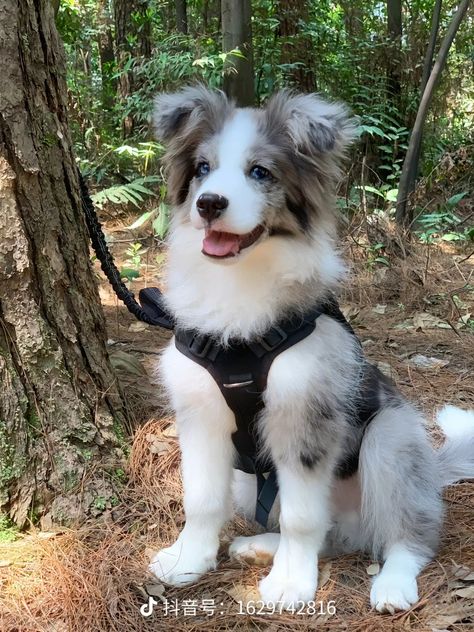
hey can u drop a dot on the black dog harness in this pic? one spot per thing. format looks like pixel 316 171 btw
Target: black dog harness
pixel 240 370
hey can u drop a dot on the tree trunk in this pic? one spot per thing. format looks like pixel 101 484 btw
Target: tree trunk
pixel 181 16
pixel 61 413
pixel 296 48
pixel 237 33
pixel 427 65
pixel 106 55
pixel 404 212
pixel 394 27
pixel 132 24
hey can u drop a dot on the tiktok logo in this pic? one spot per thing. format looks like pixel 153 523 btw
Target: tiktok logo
pixel 146 610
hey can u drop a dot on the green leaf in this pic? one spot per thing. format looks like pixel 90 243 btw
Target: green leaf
pixel 129 274
pixel 161 223
pixel 455 199
pixel 370 189
pixel 452 237
pixel 141 220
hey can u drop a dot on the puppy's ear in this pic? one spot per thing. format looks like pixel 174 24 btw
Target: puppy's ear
pixel 314 125
pixel 182 121
pixel 189 107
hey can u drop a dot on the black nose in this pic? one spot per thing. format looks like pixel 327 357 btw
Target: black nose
pixel 211 205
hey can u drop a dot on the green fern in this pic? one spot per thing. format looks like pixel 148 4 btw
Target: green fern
pixel 133 192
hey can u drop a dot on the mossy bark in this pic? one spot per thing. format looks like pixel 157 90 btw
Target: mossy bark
pixel 59 400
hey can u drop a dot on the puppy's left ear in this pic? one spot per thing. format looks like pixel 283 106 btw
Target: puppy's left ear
pixel 315 126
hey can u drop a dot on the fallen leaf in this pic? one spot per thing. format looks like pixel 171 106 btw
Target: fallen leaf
pixel 424 320
pixel 46 535
pixel 151 437
pixel 387 370
pixel 463 321
pixel 126 362
pixel 170 431
pixel 350 311
pixel 155 590
pixel 137 327
pixel 449 615
pixel 373 569
pixel 324 574
pixel 244 594
pixel 150 553
pixel 406 324
pixel 463 572
pixel 142 591
pixel 158 447
pixel 424 362
pixel 467 592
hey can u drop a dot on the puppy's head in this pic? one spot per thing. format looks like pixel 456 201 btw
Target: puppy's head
pixel 246 175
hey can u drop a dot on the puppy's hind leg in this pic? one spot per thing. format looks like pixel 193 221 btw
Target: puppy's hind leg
pixel 395 587
pixel 401 503
pixel 255 549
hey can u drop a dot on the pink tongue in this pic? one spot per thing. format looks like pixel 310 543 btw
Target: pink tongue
pixel 220 244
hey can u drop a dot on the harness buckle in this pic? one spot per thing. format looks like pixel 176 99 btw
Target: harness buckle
pixel 200 345
pixel 272 338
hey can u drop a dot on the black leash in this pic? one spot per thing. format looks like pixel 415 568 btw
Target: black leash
pixel 151 310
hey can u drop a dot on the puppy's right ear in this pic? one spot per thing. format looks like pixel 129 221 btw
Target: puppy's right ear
pixel 190 108
pixel 182 121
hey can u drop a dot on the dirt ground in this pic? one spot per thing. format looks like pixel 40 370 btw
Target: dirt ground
pixel 415 319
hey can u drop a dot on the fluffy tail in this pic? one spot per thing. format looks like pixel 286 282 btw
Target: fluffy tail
pixel 456 456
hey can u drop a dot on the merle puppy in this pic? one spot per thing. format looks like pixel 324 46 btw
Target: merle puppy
pixel 253 241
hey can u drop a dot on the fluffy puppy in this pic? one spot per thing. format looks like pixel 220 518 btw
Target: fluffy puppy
pixel 252 241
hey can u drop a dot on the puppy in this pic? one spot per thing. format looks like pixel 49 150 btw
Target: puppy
pixel 252 242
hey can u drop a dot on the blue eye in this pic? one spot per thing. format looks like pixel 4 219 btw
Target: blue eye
pixel 259 173
pixel 202 169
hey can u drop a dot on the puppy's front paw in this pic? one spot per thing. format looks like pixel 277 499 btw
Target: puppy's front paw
pixel 393 592
pixel 182 563
pixel 277 589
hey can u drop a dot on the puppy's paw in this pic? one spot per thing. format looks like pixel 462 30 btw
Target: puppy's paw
pixel 393 592
pixel 257 550
pixel 182 563
pixel 279 589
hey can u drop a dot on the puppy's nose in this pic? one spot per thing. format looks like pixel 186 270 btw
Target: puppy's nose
pixel 211 205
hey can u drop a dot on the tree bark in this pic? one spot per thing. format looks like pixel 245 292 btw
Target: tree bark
pixel 61 412
pixel 106 55
pixel 296 47
pixel 404 212
pixel 237 33
pixel 125 28
pixel 394 27
pixel 427 65
pixel 181 16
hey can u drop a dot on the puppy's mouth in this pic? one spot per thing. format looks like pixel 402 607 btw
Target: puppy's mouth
pixel 221 245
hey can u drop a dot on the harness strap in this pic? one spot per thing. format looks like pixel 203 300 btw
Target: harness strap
pixel 267 490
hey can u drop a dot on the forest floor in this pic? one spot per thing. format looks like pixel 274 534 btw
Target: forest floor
pixel 415 319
